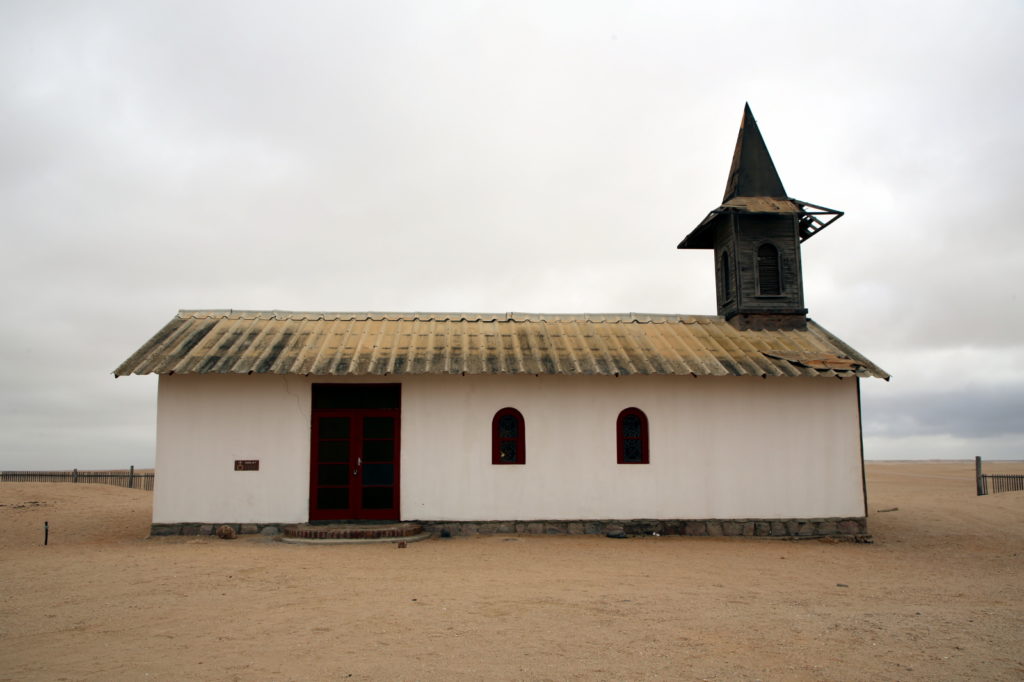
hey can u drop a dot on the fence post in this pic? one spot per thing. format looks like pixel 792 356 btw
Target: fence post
pixel 74 476
pixel 977 475
pixel 131 476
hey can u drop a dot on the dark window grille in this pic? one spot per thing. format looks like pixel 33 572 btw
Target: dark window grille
pixel 632 439
pixel 508 437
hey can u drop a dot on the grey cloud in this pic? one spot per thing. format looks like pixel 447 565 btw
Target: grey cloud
pixel 973 412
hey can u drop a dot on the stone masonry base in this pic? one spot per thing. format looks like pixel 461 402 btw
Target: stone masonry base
pixel 161 529
pixel 777 528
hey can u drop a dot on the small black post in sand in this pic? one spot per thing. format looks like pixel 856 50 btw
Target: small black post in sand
pixel 131 476
pixel 977 476
pixel 46 533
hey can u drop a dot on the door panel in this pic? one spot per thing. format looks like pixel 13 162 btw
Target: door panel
pixel 377 499
pixel 354 464
pixel 334 451
pixel 378 450
pixel 378 473
pixel 335 427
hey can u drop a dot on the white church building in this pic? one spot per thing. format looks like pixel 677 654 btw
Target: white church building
pixel 742 423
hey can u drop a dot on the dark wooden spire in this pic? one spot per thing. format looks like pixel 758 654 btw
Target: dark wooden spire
pixel 752 173
pixel 756 235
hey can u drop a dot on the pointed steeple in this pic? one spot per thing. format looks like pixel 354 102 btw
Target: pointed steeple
pixel 752 173
pixel 756 235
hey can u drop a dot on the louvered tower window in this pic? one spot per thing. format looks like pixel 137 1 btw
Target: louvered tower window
pixel 769 271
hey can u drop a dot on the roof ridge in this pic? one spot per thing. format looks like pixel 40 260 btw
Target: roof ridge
pixel 513 316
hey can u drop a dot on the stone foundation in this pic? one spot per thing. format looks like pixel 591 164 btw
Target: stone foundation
pixel 163 529
pixel 847 527
pixel 781 528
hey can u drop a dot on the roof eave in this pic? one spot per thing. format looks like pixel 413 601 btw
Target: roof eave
pixel 702 236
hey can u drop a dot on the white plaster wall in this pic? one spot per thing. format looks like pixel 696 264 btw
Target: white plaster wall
pixel 205 423
pixel 720 448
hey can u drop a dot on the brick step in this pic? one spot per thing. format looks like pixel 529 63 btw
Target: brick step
pixel 352 531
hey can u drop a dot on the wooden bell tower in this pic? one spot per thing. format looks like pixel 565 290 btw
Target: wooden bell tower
pixel 756 235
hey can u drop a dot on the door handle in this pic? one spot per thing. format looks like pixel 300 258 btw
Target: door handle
pixel 359 463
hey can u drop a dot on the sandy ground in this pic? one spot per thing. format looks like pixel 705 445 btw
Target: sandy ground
pixel 938 596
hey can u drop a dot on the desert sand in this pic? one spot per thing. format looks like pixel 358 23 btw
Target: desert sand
pixel 937 596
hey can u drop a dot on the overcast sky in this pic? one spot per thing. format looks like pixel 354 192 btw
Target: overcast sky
pixel 501 156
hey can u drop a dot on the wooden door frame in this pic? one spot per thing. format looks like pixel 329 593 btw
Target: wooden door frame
pixel 360 514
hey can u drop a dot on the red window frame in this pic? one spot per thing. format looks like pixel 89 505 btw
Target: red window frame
pixel 620 437
pixel 519 439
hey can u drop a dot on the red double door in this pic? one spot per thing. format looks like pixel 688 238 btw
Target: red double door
pixel 354 464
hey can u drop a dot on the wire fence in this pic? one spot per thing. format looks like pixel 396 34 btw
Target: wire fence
pixel 996 483
pixel 124 478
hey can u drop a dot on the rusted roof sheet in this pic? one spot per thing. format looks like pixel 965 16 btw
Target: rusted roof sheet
pixel 815 360
pixel 382 344
pixel 761 205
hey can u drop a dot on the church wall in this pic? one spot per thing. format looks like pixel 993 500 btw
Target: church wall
pixel 720 447
pixel 206 422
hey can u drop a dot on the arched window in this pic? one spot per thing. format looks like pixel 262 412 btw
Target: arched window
pixel 769 272
pixel 726 277
pixel 631 436
pixel 508 437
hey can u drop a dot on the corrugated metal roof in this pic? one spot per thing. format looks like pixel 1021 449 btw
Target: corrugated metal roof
pixel 362 344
